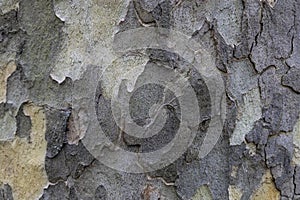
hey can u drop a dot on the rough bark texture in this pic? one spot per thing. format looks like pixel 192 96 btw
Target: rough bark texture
pixel 46 48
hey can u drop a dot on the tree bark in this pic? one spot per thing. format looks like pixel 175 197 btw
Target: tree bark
pixel 79 78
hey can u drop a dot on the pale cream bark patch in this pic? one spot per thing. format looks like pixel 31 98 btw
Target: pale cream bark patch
pixel 22 163
pixel 5 72
pixel 267 189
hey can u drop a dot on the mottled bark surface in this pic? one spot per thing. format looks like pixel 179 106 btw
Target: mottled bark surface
pixel 48 49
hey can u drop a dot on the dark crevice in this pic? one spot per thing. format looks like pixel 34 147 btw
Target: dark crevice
pixel 23 124
pixel 294 180
pixel 261 25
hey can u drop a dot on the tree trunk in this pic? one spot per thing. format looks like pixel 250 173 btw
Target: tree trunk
pixel 150 99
